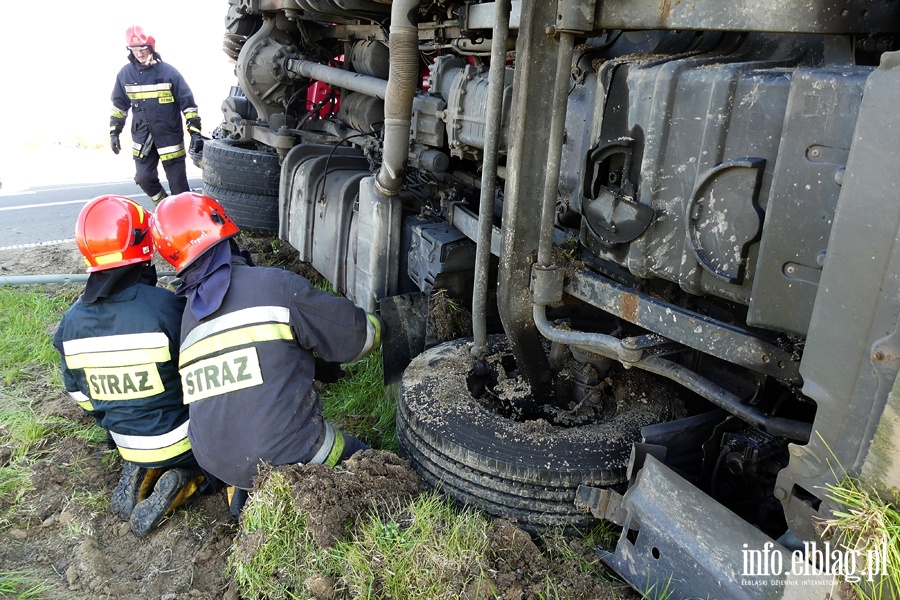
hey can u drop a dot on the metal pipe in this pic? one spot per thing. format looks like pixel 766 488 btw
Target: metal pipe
pixel 600 343
pixel 557 132
pixel 56 278
pixel 398 101
pixel 496 80
pixel 611 347
pixel 364 84
pixel 788 428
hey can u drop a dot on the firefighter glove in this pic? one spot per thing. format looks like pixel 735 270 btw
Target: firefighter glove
pixel 193 126
pixel 196 146
pixel 328 372
pixel 114 143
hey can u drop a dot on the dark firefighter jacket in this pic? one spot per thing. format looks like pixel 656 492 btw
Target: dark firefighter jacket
pixel 247 370
pixel 158 96
pixel 119 362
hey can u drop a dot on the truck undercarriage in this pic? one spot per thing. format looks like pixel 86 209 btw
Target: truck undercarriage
pixel 673 224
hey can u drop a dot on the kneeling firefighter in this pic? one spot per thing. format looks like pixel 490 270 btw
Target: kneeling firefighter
pixel 119 350
pixel 250 340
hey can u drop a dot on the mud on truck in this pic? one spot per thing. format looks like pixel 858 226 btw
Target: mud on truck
pixel 674 227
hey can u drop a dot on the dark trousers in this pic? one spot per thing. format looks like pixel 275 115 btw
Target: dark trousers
pixel 147 177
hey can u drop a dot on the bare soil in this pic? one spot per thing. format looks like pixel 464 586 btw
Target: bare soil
pixel 76 551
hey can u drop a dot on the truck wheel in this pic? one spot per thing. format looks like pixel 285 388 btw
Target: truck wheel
pixel 254 213
pixel 229 166
pixel 527 471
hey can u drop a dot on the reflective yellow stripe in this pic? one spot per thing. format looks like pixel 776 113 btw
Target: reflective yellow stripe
pixel 154 456
pixel 152 442
pixel 145 449
pixel 83 400
pixel 172 155
pixel 373 336
pixel 191 112
pixel 110 343
pixel 117 350
pixel 336 450
pixel 233 320
pixel 234 338
pixel 152 87
pixel 120 358
pixel 118 114
pixel 170 152
pixel 163 96
pixel 124 383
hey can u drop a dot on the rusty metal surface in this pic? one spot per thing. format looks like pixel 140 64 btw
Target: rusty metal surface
pixel 678 324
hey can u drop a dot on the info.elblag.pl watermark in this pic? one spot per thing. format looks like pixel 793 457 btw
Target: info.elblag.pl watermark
pixel 812 562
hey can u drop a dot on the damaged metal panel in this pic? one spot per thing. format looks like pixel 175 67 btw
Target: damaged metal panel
pixel 677 539
pixel 852 355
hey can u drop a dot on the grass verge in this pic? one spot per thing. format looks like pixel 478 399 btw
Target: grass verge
pixel 869 526
pixel 27 319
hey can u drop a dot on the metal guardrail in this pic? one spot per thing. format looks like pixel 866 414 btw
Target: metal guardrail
pixel 56 278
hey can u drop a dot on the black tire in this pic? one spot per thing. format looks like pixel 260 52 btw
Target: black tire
pixel 228 166
pixel 253 213
pixel 496 464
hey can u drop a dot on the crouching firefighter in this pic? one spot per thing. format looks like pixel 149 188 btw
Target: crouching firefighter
pixel 158 97
pixel 119 350
pixel 250 338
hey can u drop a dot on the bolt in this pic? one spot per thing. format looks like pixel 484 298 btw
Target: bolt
pixel 765 358
pixel 815 153
pixel 878 355
pixel 790 269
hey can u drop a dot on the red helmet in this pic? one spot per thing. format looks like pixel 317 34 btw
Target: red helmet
pixel 186 225
pixel 135 38
pixel 113 231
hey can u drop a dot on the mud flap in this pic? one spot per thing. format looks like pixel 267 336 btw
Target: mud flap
pixel 404 319
pixel 677 542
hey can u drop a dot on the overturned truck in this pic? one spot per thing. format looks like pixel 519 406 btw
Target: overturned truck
pixel 673 226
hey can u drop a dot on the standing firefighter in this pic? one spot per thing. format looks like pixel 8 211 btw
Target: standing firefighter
pixel 250 339
pixel 119 348
pixel 156 93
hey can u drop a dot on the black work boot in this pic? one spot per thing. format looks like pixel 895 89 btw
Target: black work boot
pixel 135 485
pixel 171 491
pixel 237 498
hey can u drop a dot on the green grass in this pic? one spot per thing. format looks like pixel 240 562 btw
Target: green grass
pixel 281 551
pixel 19 585
pixel 417 551
pixel 362 405
pixel 867 523
pixel 422 551
pixel 27 318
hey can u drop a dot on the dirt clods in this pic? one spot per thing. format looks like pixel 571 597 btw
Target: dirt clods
pixel 369 482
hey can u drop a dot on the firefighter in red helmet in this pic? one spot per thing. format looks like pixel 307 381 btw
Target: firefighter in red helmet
pixel 251 340
pixel 158 97
pixel 119 350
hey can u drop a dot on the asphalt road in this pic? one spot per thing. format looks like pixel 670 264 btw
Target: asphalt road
pixel 41 216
